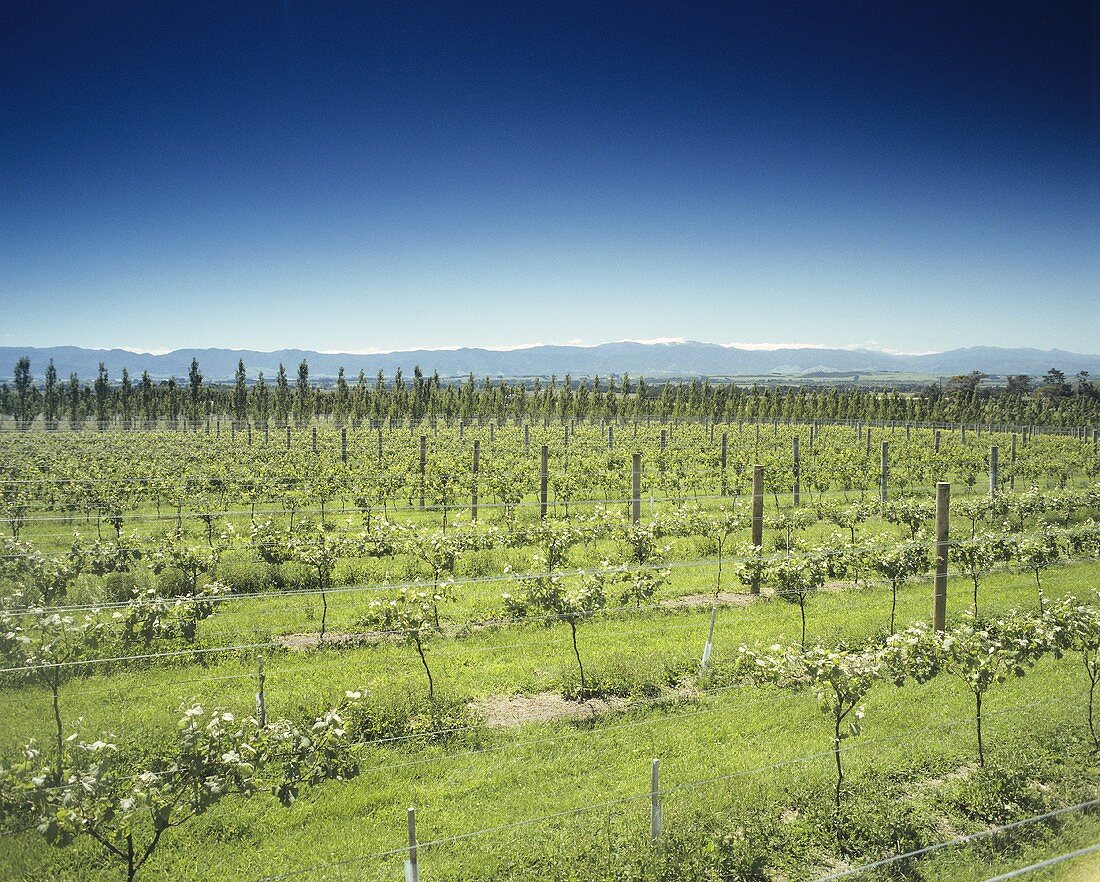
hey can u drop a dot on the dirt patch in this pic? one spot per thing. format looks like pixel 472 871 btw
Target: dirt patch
pixel 500 711
pixel 302 642
pixel 725 598
pixel 960 774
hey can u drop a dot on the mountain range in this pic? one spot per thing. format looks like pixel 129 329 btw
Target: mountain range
pixel 652 360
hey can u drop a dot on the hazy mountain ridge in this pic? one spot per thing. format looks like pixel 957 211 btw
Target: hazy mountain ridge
pixel 648 359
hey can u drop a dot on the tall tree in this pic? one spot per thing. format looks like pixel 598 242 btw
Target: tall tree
pixel 261 405
pixel 102 396
pixel 282 396
pixel 74 400
pixel 125 396
pixel 24 389
pixel 52 395
pixel 302 399
pixel 148 396
pixel 240 394
pixel 194 382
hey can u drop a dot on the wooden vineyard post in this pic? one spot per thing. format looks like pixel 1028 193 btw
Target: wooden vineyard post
pixel 664 439
pixel 757 517
pixel 412 866
pixel 526 437
pixel 544 481
pixel 939 603
pixel 994 464
pixel 610 437
pixel 314 433
pixel 936 443
pixel 423 465
pixel 868 439
pixel 655 801
pixel 1012 463
pixel 636 489
pixel 795 490
pixel 379 447
pixel 267 433
pixel 473 485
pixel 725 445
pixel 288 437
pixel 344 445
pixel 249 426
pixel 261 699
pixel 885 474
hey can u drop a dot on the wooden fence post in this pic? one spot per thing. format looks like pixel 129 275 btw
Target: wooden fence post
pixel 423 465
pixel 636 489
pixel 261 700
pixel 795 490
pixel 725 443
pixel 544 480
pixel 655 801
pixel 757 516
pixel 412 866
pixel 473 486
pixel 943 507
pixel 885 476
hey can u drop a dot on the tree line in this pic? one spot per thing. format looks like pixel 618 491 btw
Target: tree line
pixel 1052 399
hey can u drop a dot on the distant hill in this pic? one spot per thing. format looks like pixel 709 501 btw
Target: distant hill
pixel 653 360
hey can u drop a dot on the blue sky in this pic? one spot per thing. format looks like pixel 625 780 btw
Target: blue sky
pixel 369 176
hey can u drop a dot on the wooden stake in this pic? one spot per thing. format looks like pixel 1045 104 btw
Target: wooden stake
pixel 797 471
pixel 943 507
pixel 544 480
pixel 423 465
pixel 636 489
pixel 885 474
pixel 473 487
pixel 261 701
pixel 757 515
pixel 655 802
pixel 412 867
pixel 725 443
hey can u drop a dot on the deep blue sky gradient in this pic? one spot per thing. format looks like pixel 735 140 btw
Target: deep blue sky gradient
pixel 361 175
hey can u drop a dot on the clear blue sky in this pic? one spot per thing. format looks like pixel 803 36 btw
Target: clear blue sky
pixel 379 176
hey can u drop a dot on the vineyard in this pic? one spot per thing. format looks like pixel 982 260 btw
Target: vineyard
pixel 592 649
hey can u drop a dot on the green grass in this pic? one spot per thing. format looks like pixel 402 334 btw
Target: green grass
pixel 913 737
